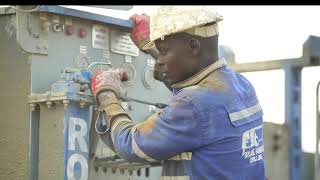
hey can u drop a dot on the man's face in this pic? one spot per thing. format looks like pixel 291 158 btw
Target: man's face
pixel 158 75
pixel 175 60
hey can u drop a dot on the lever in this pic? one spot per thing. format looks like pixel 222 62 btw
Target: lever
pixel 158 105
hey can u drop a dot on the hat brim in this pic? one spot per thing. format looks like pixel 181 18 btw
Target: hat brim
pixel 149 45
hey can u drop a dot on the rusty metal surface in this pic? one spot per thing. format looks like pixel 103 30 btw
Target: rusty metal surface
pixel 14 88
pixel 51 143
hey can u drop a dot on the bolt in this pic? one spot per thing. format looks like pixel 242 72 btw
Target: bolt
pixel 104 169
pixel 32 107
pixel 66 103
pixel 45 47
pixel 276 147
pixel 82 104
pixel 92 155
pixel 114 170
pixel 38 46
pixel 49 104
pixel 96 168
pixel 46 26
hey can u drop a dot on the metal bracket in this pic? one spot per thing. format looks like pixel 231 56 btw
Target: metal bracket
pixel 29 33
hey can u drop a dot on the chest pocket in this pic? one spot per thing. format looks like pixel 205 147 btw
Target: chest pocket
pixel 244 111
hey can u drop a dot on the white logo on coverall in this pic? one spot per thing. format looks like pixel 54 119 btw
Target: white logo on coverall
pixel 251 147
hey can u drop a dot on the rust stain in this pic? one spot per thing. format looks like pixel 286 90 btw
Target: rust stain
pixel 180 101
pixel 147 126
pixel 214 83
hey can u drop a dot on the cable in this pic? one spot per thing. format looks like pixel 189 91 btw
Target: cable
pixel 26 11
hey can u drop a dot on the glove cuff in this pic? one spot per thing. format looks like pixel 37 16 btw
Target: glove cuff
pixel 115 109
pixel 107 88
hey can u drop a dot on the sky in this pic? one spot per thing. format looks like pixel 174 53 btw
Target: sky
pixel 260 33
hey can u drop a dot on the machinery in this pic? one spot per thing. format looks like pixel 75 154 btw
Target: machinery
pixel 47 110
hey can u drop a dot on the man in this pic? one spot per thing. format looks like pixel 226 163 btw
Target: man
pixel 212 126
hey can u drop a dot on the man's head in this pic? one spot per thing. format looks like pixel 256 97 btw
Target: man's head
pixel 187 39
pixel 182 55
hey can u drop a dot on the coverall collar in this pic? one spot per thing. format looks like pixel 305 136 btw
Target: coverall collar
pixel 195 79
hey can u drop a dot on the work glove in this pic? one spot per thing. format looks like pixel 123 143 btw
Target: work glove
pixel 109 80
pixel 140 34
pixel 107 88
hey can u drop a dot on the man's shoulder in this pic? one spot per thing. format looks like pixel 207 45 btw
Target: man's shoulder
pixel 226 81
pixel 199 95
pixel 219 87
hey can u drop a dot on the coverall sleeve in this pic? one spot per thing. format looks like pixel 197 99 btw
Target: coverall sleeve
pixel 175 130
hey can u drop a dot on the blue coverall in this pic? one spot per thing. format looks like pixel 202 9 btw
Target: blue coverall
pixel 211 129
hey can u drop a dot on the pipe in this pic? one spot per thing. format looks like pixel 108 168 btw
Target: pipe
pixel 316 157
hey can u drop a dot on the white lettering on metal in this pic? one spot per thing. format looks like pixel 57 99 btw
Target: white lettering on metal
pixel 100 37
pixel 78 130
pixel 121 43
pixel 128 59
pixel 79 135
pixel 77 158
pixel 83 49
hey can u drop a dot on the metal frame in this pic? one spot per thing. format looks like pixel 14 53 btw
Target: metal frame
pixel 87 15
pixel 120 23
pixel 34 142
pixel 292 69
pixel 316 158
pixel 293 119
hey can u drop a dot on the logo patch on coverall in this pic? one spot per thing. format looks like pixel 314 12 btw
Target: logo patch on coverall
pixel 252 144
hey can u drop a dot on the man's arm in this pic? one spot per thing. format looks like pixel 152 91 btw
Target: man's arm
pixel 177 129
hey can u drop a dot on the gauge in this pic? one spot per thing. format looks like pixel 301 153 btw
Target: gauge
pixel 82 61
pixel 130 71
pixel 148 80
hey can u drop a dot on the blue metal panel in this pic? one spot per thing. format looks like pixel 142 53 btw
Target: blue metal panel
pixel 87 15
pixel 34 143
pixel 293 120
pixel 76 142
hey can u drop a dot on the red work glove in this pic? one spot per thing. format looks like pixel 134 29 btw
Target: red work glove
pixel 140 34
pixel 109 80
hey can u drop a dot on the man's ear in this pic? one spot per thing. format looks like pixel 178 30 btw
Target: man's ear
pixel 194 46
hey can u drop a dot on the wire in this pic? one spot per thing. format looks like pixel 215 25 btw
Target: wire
pixel 26 11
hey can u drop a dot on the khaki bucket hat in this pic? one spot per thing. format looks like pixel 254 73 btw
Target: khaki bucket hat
pixel 196 20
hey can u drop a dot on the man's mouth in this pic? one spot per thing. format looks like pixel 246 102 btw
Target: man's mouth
pixel 164 75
